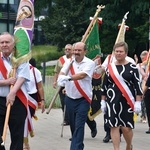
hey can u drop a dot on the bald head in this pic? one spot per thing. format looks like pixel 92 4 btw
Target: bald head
pixel 81 45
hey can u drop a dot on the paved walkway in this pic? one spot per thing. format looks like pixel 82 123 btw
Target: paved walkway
pixel 48 134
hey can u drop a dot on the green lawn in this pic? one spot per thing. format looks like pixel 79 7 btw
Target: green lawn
pixel 49 70
pixel 49 92
pixel 44 53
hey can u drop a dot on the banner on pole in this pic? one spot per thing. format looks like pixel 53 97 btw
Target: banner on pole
pixel 23 31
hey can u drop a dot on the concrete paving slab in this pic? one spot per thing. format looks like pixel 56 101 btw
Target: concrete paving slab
pixel 48 134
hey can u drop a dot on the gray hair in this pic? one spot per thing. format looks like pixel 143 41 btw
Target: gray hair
pixel 7 33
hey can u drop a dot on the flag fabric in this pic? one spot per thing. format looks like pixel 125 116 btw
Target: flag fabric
pixel 93 52
pixel 96 99
pixel 92 42
pixel 23 33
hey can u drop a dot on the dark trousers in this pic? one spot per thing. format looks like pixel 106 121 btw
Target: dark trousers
pixel 16 123
pixel 62 100
pixel 77 110
pixel 106 127
pixel 147 105
pixel 143 109
pixel 32 111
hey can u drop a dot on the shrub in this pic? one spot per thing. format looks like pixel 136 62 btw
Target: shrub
pixel 44 53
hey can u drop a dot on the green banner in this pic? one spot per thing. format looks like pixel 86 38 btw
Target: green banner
pixel 93 42
pixel 23 32
pixel 22 43
pixel 93 52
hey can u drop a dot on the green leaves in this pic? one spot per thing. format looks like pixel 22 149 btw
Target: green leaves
pixel 67 21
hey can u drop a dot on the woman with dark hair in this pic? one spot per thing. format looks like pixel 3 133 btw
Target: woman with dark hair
pixel 32 61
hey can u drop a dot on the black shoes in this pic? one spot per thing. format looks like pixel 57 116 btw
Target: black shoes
pixel 106 138
pixel 148 132
pixel 93 133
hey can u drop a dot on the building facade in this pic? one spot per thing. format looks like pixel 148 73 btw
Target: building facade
pixel 8 10
pixel 8 14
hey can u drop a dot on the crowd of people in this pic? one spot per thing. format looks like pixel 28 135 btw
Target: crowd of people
pixel 121 94
pixel 125 90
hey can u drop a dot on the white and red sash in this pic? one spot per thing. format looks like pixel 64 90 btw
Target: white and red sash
pixel 121 84
pixel 28 128
pixel 62 59
pixel 28 125
pixel 3 68
pixel 32 102
pixel 21 94
pixel 110 57
pixel 80 89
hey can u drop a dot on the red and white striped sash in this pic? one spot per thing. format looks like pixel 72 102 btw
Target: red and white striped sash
pixel 121 84
pixel 21 94
pixel 80 89
pixel 62 59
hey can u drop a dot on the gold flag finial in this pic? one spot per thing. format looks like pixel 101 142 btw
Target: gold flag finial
pixel 99 8
pixel 121 34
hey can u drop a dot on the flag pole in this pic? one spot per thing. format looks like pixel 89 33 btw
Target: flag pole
pixel 23 33
pixel 122 28
pixel 83 40
pixel 7 114
pixel 57 92
pixel 94 54
pixel 99 8
pixel 121 33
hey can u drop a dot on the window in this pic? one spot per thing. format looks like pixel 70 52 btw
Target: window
pixel 5 1
pixel 3 28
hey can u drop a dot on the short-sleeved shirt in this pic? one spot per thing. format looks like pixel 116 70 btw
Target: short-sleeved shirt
pixel 87 66
pixel 31 85
pixel 21 71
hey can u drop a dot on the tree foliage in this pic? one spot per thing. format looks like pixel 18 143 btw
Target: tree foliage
pixel 68 20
